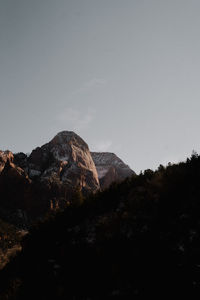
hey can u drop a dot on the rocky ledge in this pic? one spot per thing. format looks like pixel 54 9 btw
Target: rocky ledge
pixel 110 168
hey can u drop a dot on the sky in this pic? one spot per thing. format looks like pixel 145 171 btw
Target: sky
pixel 122 74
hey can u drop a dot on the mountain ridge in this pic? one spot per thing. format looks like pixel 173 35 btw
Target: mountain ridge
pixel 55 171
pixel 110 168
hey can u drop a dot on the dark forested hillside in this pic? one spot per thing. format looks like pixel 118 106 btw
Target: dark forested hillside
pixel 10 238
pixel 140 238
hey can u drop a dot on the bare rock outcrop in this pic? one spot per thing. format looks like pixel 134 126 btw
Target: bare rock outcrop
pixel 110 168
pixel 4 157
pixel 65 159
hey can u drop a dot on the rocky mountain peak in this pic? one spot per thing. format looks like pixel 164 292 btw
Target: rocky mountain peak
pixel 107 158
pixel 110 168
pixel 67 144
pixel 4 157
pixel 69 137
pixel 65 159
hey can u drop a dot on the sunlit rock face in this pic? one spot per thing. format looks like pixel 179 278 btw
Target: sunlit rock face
pixel 65 159
pixel 4 157
pixel 8 168
pixel 110 168
pixel 14 185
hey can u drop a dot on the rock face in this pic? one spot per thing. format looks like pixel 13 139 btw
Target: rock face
pixel 110 168
pixel 14 187
pixel 4 157
pixel 9 169
pixel 65 159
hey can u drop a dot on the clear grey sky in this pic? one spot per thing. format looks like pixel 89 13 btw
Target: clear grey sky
pixel 123 74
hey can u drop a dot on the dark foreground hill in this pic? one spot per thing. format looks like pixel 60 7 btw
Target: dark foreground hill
pixel 137 239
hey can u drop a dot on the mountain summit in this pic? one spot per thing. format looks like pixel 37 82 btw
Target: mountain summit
pixel 110 168
pixel 65 159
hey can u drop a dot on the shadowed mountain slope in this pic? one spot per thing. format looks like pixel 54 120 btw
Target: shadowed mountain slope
pixel 137 239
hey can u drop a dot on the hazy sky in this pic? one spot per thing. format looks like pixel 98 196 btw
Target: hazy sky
pixel 123 74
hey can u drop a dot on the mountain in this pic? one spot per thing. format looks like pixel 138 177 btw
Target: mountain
pixel 5 156
pixel 65 159
pixel 53 175
pixel 110 168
